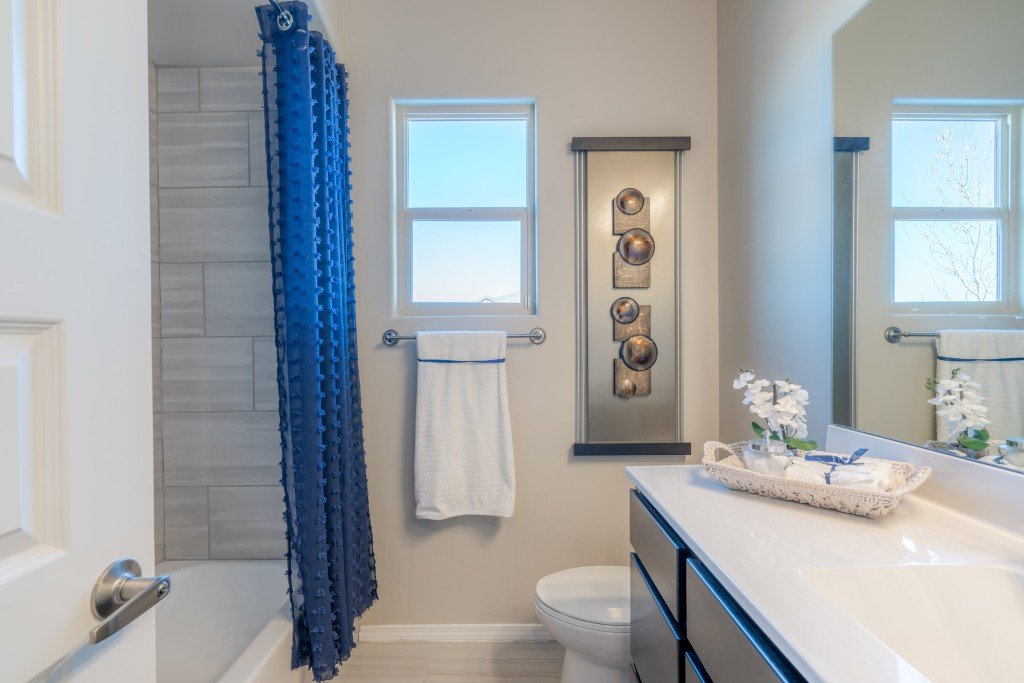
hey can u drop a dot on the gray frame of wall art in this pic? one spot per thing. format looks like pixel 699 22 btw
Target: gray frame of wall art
pixel 609 422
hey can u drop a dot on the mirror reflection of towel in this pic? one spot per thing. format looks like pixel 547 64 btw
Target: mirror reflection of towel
pixel 995 360
pixel 464 459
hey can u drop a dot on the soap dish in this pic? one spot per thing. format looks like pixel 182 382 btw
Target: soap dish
pixel 725 465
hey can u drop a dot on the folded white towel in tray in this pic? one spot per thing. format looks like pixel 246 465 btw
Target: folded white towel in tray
pixel 464 461
pixel 871 475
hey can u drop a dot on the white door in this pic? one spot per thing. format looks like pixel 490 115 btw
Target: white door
pixel 76 480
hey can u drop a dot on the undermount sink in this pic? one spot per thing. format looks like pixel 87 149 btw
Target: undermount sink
pixel 950 622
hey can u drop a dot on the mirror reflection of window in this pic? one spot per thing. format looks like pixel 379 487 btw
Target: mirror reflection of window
pixel 951 206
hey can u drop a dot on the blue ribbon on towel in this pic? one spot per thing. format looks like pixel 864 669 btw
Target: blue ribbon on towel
pixel 837 460
pixel 950 359
pixel 445 360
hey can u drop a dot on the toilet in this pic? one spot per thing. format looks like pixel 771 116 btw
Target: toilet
pixel 586 609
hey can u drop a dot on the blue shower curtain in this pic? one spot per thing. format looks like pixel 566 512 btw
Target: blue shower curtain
pixel 331 571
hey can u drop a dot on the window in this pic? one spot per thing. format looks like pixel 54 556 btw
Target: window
pixel 954 209
pixel 465 210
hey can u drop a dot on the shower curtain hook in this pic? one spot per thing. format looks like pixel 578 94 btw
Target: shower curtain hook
pixel 285 20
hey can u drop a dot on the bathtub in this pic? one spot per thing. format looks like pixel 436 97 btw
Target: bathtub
pixel 226 621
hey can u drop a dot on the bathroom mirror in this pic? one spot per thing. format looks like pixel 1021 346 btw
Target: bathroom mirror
pixel 928 262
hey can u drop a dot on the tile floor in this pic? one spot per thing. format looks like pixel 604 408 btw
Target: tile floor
pixel 454 663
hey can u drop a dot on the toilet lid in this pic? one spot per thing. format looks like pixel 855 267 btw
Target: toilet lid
pixel 599 595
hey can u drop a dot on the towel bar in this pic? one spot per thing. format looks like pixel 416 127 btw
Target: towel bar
pixel 895 335
pixel 536 336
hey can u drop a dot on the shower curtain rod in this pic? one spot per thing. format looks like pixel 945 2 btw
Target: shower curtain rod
pixel 285 20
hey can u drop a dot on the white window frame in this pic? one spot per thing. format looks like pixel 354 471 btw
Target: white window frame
pixel 405 112
pixel 1006 212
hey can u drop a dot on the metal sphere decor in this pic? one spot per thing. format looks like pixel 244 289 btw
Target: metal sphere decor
pixel 626 388
pixel 636 247
pixel 639 352
pixel 630 201
pixel 625 310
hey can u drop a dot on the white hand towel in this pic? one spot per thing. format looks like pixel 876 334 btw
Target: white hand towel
pixel 464 459
pixel 985 356
pixel 865 476
pixel 806 472
pixel 873 475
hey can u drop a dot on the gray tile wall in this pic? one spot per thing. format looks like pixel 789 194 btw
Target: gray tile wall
pixel 218 473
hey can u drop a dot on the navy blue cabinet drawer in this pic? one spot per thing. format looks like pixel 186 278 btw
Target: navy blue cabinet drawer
pixel 726 641
pixel 661 551
pixel 655 642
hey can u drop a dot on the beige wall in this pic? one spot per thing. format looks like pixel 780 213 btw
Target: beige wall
pixel 572 57
pixel 775 161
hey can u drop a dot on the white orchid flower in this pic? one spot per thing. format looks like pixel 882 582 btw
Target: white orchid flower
pixel 778 403
pixel 958 400
pixel 786 386
pixel 801 396
pixel 744 378
pixel 756 397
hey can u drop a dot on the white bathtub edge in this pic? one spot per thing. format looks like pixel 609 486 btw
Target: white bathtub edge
pixel 268 656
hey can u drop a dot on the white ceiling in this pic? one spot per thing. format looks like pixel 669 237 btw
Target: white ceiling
pixel 205 32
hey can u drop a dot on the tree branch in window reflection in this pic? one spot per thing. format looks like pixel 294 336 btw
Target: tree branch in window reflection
pixel 961 257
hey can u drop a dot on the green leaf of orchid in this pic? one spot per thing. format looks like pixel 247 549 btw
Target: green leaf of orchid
pixel 972 444
pixel 982 435
pixel 801 444
pixel 758 429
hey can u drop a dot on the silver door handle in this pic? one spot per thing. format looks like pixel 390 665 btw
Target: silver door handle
pixel 120 596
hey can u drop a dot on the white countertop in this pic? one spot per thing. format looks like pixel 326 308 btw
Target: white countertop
pixel 758 548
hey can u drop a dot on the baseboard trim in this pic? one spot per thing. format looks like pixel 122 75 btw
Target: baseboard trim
pixel 454 633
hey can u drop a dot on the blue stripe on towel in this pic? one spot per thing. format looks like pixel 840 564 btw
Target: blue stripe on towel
pixel 445 360
pixel 950 359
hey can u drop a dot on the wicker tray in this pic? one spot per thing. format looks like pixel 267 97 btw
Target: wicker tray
pixel 729 470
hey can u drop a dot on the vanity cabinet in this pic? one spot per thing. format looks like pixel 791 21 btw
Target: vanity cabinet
pixel 655 640
pixel 684 626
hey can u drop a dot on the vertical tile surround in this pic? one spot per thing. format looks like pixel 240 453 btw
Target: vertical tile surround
pixel 186 523
pixel 181 300
pixel 177 89
pixel 213 225
pixel 203 149
pixel 207 373
pixel 245 522
pixel 230 89
pixel 264 360
pixel 214 356
pixel 237 299
pixel 257 149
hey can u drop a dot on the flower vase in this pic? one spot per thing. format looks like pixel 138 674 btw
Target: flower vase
pixel 767 457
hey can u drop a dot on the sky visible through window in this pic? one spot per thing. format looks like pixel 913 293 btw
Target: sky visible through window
pixel 466 261
pixel 467 163
pixel 945 164
pixel 463 164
